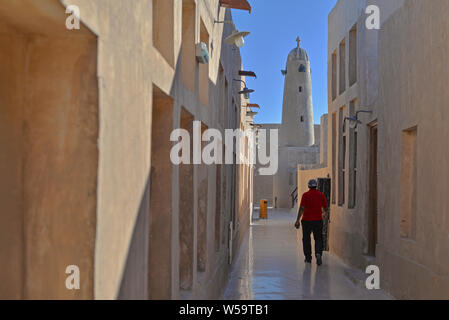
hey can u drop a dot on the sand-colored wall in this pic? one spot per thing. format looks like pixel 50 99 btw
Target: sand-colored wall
pixel 12 84
pixel 131 64
pixel 78 131
pixel 50 115
pixel 412 93
pixel 398 82
pixel 60 165
pixel 347 241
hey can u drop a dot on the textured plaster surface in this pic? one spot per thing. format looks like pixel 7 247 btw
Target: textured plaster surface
pixel 77 127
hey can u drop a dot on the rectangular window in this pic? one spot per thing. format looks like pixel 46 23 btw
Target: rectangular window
pixel 233 193
pixel 342 67
pixel 163 29
pixel 334 156
pixel 353 174
pixel 408 188
pixel 353 55
pixel 372 191
pixel 186 207
pixel 221 94
pixel 188 61
pixel 203 187
pixel 341 157
pixel 334 75
pixel 224 200
pixel 204 68
pixel 218 200
pixel 234 124
pixel 352 158
pixel 342 190
pixel 225 104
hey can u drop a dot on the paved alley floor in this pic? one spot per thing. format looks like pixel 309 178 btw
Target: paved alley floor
pixel 270 266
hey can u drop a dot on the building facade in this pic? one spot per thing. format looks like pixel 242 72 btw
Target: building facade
pixel 382 211
pixel 86 117
pixel 413 114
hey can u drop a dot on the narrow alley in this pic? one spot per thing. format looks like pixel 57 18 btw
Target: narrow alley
pixel 270 266
pixel 137 137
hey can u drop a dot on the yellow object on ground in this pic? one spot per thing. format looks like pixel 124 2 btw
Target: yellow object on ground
pixel 263 213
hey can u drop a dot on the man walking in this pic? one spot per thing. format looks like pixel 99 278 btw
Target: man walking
pixel 313 203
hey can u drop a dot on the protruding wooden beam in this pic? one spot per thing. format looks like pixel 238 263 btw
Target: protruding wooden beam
pixel 247 73
pixel 236 4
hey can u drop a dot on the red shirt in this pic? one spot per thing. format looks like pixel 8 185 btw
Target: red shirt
pixel 313 201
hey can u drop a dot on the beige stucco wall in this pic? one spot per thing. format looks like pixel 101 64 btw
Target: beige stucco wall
pixel 125 62
pixel 412 93
pixel 346 240
pixel 79 142
pixel 11 163
pixel 125 148
pixel 390 68
pixel 50 120
pixel 60 169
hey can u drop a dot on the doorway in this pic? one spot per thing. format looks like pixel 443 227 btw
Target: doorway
pixel 372 208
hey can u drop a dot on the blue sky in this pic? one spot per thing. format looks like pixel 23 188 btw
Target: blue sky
pixel 274 26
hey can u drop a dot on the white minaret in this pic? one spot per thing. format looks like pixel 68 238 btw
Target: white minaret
pixel 297 134
pixel 297 128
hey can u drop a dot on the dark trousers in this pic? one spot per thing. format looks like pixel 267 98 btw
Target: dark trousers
pixel 315 227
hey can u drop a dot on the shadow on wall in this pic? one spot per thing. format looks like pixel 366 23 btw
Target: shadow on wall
pixel 135 275
pixel 149 271
pixel 49 166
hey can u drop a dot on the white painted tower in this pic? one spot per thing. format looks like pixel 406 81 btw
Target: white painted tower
pixel 297 131
pixel 297 128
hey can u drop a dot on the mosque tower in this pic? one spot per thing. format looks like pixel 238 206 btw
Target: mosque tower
pixel 297 131
pixel 297 128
